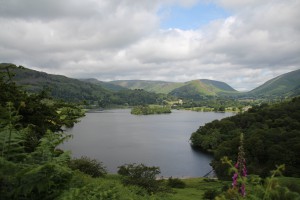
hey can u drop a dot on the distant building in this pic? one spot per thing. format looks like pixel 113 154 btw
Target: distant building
pixel 180 101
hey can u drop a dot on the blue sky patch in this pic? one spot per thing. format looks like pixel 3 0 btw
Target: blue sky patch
pixel 193 17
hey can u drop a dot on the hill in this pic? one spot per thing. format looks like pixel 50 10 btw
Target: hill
pixel 191 89
pixel 150 86
pixel 284 85
pixel 73 90
pixel 196 89
pixel 105 85
pixel 271 137
pixel 59 86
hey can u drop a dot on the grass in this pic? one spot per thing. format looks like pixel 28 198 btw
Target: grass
pixel 290 182
pixel 196 187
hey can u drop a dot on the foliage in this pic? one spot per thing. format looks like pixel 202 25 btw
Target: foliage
pixel 216 104
pixel 272 137
pixel 142 176
pixel 30 165
pixel 88 166
pixel 211 194
pixel 11 140
pixel 36 112
pixel 267 189
pixel 150 110
pixel 42 174
pixel 99 190
pixel 43 181
pixel 175 183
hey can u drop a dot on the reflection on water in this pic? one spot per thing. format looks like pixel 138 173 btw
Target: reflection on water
pixel 116 137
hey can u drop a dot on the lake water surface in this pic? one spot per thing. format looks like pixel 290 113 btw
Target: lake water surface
pixel 116 137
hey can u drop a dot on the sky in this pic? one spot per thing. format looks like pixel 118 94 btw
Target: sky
pixel 243 43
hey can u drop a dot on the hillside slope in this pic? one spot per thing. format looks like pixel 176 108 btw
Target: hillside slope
pixel 150 86
pixel 196 89
pixel 105 85
pixel 59 86
pixel 73 90
pixel 284 85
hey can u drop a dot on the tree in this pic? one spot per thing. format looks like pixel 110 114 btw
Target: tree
pixel 141 175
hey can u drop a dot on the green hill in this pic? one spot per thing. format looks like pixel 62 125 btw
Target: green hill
pixel 94 90
pixel 221 86
pixel 106 85
pixel 74 90
pixel 150 86
pixel 284 85
pixel 191 89
pixel 196 89
pixel 59 86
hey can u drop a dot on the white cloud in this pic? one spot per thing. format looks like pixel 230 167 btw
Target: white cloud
pixel 122 40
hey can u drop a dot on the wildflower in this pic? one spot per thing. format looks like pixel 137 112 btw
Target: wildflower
pixel 241 169
pixel 234 179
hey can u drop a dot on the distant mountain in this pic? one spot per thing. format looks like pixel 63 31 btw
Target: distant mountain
pixel 150 86
pixel 59 86
pixel 198 88
pixel 105 85
pixel 190 90
pixel 118 91
pixel 284 85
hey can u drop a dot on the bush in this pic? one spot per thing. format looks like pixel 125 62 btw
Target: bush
pixel 102 189
pixel 210 194
pixel 142 176
pixel 175 183
pixel 88 166
pixel 42 182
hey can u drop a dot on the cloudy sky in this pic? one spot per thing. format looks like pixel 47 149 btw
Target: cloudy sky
pixel 243 43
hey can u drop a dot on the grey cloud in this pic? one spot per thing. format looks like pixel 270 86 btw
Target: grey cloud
pixel 47 9
pixel 121 40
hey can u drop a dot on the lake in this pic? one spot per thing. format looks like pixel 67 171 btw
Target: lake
pixel 115 137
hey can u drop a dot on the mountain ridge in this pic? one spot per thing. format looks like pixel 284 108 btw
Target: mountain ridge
pixel 285 85
pixel 60 86
pixel 164 87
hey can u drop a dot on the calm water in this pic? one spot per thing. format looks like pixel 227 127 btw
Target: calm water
pixel 116 137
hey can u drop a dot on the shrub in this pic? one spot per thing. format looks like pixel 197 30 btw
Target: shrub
pixel 42 181
pixel 175 183
pixel 88 166
pixel 102 189
pixel 142 176
pixel 210 194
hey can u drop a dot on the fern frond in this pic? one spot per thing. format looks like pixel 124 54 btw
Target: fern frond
pixel 46 151
pixel 11 144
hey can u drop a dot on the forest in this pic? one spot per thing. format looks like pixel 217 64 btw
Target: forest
pixel 150 110
pixel 272 137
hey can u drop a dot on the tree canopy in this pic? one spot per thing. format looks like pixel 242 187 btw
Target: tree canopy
pixel 272 137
